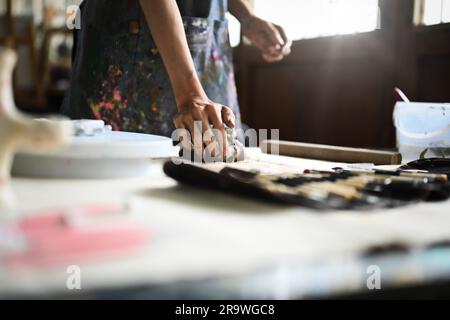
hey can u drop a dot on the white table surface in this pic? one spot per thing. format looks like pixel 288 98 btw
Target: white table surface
pixel 199 233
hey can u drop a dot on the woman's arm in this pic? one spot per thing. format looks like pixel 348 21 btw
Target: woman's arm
pixel 165 23
pixel 240 9
pixel 266 36
pixel 167 30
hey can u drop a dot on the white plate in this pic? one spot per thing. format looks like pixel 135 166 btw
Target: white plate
pixel 111 155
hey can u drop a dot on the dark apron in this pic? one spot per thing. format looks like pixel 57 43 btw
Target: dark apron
pixel 118 74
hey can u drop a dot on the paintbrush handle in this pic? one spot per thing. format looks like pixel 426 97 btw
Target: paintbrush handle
pixel 330 153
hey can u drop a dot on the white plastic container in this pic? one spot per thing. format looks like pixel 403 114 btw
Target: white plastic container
pixel 423 130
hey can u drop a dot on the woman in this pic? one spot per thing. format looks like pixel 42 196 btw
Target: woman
pixel 152 65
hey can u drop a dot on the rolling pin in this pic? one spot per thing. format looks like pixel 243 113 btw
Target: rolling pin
pixel 330 153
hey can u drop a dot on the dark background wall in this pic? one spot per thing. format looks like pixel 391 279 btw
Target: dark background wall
pixel 339 90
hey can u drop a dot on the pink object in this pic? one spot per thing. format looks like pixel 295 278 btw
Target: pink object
pixel 400 95
pixel 54 217
pixel 53 240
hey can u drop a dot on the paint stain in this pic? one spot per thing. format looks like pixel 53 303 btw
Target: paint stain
pixel 154 92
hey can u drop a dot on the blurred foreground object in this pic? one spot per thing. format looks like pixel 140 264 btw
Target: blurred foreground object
pixel 19 131
pixel 60 236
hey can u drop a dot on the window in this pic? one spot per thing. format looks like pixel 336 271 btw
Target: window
pixel 431 12
pixel 304 19
pixel 235 30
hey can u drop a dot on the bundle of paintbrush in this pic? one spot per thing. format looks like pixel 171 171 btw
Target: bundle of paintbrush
pixel 337 189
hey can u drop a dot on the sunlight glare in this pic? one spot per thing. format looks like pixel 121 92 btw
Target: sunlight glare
pixel 315 18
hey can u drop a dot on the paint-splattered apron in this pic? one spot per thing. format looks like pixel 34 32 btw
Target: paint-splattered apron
pixel 118 74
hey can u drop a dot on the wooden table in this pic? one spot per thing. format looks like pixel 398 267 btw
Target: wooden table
pixel 202 234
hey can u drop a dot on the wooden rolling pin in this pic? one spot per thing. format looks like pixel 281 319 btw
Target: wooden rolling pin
pixel 330 153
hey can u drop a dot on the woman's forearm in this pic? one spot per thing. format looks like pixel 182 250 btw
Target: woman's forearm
pixel 240 9
pixel 164 21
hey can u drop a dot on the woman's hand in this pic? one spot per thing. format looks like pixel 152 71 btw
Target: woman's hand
pixel 164 21
pixel 197 115
pixel 267 37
